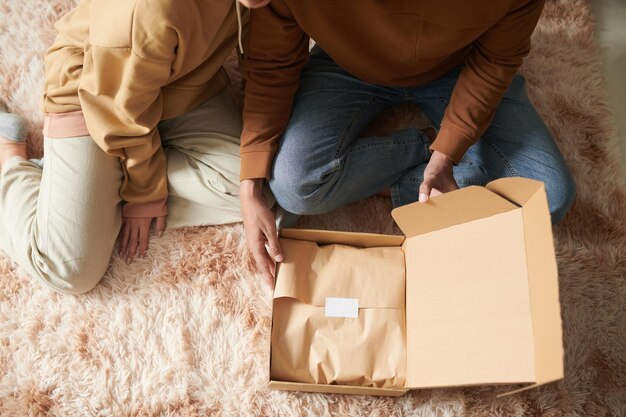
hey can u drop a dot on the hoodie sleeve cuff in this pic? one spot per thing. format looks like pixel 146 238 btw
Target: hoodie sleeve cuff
pixel 451 143
pixel 256 165
pixel 157 208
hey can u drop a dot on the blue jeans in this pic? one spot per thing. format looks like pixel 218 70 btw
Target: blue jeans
pixel 323 162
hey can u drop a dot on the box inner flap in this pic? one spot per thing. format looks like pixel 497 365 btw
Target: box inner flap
pixel 310 273
pixel 515 189
pixel 326 237
pixel 544 288
pixel 456 207
pixel 468 307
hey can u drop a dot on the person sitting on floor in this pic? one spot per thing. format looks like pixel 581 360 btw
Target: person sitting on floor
pixel 304 113
pixel 140 128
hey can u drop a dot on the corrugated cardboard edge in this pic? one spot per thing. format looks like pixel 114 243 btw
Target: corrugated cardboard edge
pixel 542 275
pixel 335 389
pixel 529 387
pixel 327 237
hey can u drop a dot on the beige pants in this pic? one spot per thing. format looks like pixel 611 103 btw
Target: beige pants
pixel 60 223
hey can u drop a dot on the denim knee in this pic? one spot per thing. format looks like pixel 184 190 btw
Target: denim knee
pixel 561 191
pixel 298 194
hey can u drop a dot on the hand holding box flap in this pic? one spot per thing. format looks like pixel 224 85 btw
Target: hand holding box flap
pixel 450 209
pixel 308 346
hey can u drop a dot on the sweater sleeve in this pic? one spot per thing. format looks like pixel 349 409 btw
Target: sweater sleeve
pixel 489 69
pixel 277 51
pixel 120 95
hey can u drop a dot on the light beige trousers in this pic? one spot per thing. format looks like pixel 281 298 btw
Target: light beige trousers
pixel 60 223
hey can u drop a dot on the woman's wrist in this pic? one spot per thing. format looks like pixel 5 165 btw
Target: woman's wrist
pixel 156 208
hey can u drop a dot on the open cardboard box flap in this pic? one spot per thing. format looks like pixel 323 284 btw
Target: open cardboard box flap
pixel 482 303
pixel 542 275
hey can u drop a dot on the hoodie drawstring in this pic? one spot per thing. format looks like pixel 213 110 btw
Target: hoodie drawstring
pixel 240 33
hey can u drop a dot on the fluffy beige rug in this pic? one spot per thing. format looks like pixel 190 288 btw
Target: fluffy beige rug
pixel 185 331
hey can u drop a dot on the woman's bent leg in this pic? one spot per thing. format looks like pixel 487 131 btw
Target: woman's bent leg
pixel 202 149
pixel 60 223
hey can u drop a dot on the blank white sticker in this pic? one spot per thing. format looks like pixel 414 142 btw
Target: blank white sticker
pixel 342 307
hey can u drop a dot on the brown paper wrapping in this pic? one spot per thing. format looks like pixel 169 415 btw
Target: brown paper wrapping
pixel 309 347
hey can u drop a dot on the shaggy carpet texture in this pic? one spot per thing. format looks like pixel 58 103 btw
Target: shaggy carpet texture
pixel 185 331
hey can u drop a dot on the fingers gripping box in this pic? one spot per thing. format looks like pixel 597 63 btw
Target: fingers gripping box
pixel 468 296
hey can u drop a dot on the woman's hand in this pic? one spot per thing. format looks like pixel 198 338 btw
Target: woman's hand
pixel 438 178
pixel 260 228
pixel 135 233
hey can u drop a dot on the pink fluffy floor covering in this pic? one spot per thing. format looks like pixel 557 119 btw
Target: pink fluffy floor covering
pixel 185 331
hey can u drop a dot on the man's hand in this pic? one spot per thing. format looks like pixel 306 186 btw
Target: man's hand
pixel 260 228
pixel 438 178
pixel 134 235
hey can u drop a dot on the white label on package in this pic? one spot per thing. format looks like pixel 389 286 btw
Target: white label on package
pixel 342 307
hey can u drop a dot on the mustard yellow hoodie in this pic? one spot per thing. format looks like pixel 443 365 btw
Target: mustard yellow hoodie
pixel 119 67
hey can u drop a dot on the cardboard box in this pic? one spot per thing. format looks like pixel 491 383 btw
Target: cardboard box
pixel 481 284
